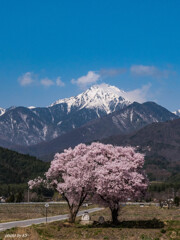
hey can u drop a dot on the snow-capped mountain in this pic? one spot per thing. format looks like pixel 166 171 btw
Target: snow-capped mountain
pixel 27 126
pixel 2 111
pixel 32 125
pixel 177 112
pixel 124 121
pixel 100 97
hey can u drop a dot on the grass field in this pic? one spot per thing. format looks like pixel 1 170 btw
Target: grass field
pixel 14 212
pixel 136 224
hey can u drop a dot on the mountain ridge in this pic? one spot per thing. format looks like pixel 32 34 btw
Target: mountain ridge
pixel 124 121
pixel 33 125
pixel 28 126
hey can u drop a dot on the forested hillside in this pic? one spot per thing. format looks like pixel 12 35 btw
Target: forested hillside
pixel 160 143
pixel 16 169
pixel 19 168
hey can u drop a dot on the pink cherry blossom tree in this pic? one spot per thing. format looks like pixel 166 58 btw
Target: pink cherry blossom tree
pixel 119 177
pixel 37 183
pixel 71 174
pixel 41 187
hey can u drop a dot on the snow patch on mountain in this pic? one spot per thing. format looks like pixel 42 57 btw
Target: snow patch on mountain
pixel 2 111
pixel 101 97
pixel 31 107
pixel 177 112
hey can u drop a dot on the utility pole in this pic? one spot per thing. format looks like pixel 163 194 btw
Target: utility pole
pixel 46 206
pixel 28 195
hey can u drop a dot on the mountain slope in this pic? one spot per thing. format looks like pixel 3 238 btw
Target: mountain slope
pixel 28 126
pixel 22 126
pixel 19 168
pixel 161 144
pixel 125 121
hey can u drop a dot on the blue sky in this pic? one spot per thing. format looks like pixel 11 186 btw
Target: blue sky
pixel 56 49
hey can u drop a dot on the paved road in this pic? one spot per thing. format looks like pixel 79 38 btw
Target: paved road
pixel 32 203
pixel 25 223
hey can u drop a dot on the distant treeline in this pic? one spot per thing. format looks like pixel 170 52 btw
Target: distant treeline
pixel 158 168
pixel 162 187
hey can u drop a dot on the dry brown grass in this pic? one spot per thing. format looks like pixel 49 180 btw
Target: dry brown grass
pixel 22 233
pixel 142 213
pixel 13 212
pixel 21 212
pixel 66 231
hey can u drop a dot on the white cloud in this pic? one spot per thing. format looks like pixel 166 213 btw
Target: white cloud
pixel 86 80
pixel 59 82
pixel 26 79
pixel 142 70
pixel 139 95
pixel 47 82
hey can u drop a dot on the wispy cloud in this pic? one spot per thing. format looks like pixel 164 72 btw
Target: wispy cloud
pixel 84 81
pixel 46 82
pixel 59 82
pixel 139 95
pixel 26 79
pixel 143 70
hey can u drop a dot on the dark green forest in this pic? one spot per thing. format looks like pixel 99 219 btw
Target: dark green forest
pixel 17 169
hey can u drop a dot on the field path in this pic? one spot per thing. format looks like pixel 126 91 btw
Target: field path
pixel 26 223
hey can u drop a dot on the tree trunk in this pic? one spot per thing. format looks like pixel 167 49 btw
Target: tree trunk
pixel 114 214
pixel 73 214
pixel 74 208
